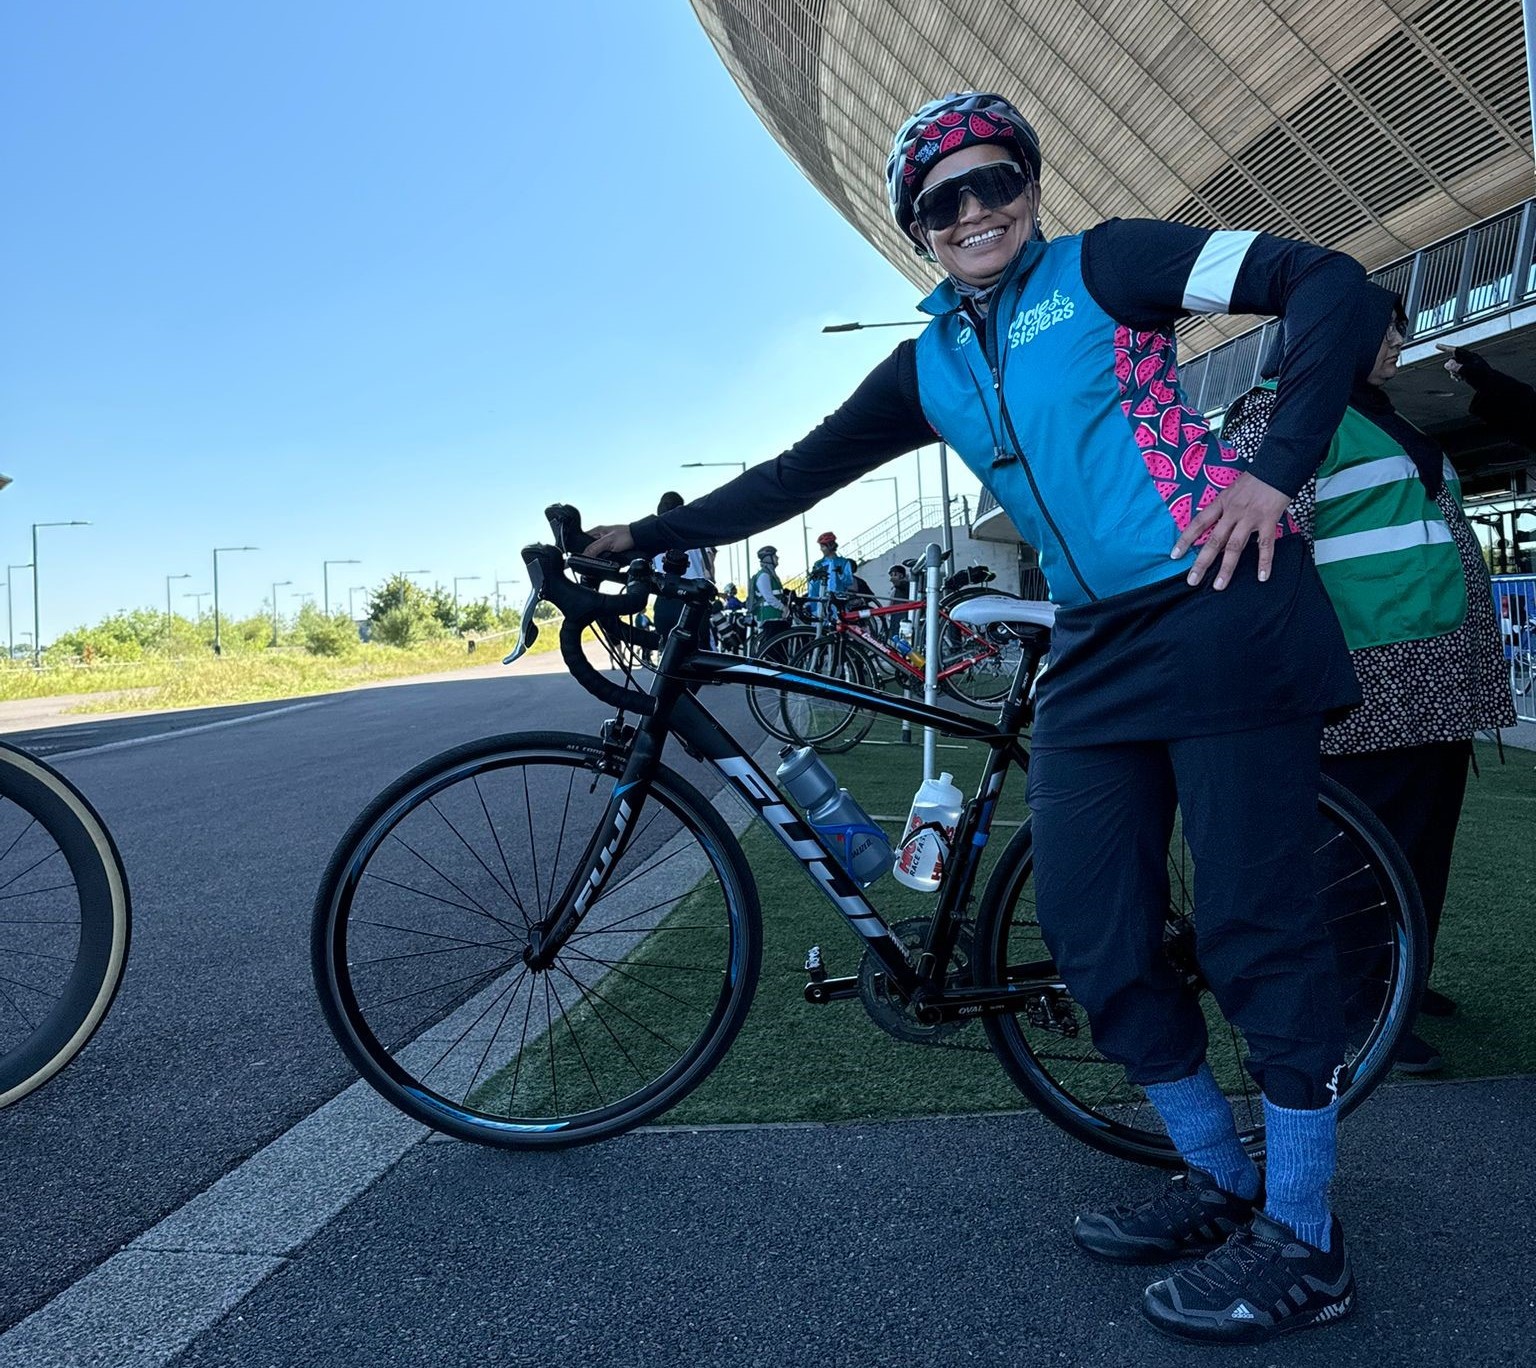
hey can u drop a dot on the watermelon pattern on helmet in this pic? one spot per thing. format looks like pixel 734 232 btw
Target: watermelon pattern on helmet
pixel 949 133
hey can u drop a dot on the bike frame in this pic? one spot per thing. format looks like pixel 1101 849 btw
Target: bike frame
pixel 847 624
pixel 677 712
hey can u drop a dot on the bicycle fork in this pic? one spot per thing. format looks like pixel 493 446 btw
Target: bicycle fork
pixel 546 938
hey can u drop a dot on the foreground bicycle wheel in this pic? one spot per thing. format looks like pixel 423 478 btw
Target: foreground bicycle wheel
pixel 65 923
pixel 1373 913
pixel 423 916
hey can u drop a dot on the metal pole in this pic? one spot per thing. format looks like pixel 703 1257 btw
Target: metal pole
pixel 325 586
pixel 949 531
pixel 37 662
pixel 931 661
pixel 746 542
pixel 218 648
pixel 1528 13
pixel 10 630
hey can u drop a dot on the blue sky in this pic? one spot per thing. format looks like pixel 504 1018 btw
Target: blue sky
pixel 381 280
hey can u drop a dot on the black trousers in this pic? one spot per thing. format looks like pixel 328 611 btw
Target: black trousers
pixel 1417 791
pixel 1102 819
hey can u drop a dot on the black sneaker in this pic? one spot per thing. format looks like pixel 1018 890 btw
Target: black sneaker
pixel 1417 1056
pixel 1190 1216
pixel 1263 1282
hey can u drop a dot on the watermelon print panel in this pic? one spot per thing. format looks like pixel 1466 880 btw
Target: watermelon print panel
pixel 1187 464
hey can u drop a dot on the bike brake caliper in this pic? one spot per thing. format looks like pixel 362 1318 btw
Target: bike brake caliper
pixel 616 735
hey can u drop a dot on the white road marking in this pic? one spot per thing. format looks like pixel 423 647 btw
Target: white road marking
pixel 156 1295
pixel 180 731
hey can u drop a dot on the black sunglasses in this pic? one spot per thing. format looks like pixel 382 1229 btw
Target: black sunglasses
pixel 993 183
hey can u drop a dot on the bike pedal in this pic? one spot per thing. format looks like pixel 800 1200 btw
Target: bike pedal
pixel 813 964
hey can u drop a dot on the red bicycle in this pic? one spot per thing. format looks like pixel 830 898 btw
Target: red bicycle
pixel 976 666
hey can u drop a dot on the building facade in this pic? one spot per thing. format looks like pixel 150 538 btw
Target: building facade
pixel 1379 127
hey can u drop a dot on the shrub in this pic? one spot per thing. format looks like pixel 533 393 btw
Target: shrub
pixel 325 635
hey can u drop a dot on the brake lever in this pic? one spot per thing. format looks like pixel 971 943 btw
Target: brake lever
pixel 528 629
pixel 565 522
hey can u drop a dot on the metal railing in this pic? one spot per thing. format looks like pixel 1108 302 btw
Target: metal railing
pixel 1514 607
pixel 1482 271
pixel 906 522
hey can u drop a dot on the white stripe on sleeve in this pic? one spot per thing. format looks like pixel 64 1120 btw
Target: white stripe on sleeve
pixel 1210 285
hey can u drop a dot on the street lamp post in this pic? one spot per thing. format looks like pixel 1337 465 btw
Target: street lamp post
pixel 499 583
pixel 325 581
pixel 746 542
pixel 10 630
pixel 896 494
pixel 276 585
pixel 949 531
pixel 218 645
pixel 458 580
pixel 351 605
pixel 37 653
pixel 198 606
pixel 169 615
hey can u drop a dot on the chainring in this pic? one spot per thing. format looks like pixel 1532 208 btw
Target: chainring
pixel 888 1011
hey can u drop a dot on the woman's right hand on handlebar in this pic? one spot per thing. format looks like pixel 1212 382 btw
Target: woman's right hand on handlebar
pixel 611 542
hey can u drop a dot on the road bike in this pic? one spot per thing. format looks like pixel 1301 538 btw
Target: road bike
pixel 65 922
pixel 541 939
pixel 879 646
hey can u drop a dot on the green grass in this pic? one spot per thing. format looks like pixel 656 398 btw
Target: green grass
pixel 245 676
pixel 794 1061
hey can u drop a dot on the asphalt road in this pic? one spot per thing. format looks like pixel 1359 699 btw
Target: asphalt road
pixel 216 1044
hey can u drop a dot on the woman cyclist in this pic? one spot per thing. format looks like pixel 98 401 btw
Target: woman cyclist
pixel 1186 677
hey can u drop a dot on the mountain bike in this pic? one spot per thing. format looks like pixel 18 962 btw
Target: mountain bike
pixel 542 939
pixel 65 922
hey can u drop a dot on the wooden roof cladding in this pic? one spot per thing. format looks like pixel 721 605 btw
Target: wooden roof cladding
pixel 1374 126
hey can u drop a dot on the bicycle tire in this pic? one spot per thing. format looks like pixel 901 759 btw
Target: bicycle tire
pixel 393 934
pixel 763 701
pixel 829 724
pixel 1118 1119
pixel 63 945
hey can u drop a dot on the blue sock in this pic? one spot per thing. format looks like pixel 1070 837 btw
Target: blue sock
pixel 1199 1121
pixel 1302 1145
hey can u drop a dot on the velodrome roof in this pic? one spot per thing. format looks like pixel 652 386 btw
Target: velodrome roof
pixel 1374 126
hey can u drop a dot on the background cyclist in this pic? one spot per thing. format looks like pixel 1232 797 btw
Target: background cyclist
pixel 831 574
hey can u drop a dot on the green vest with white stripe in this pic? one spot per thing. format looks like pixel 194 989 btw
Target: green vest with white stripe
pixel 1381 544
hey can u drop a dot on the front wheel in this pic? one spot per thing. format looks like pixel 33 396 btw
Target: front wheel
pixel 425 912
pixel 64 923
pixel 831 722
pixel 1373 914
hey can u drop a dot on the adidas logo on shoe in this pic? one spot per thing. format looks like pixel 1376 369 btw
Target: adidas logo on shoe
pixel 1242 1311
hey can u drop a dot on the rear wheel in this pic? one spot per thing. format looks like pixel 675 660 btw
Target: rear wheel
pixel 425 913
pixel 1372 911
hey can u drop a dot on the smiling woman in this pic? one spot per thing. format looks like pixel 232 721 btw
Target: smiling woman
pixel 1049 368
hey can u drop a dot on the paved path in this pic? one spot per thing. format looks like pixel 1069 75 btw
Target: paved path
pixel 939 1241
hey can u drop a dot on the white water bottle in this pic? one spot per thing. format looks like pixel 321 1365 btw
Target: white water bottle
pixel 930 833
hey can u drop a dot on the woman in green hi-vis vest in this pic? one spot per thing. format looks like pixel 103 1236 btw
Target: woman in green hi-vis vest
pixel 1407 578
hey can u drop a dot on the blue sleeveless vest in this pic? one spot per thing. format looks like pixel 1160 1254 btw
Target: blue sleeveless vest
pixel 1075 423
